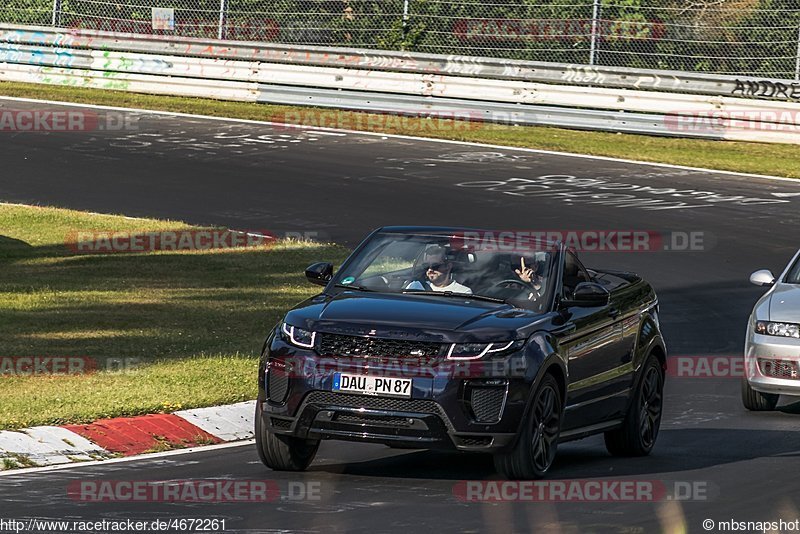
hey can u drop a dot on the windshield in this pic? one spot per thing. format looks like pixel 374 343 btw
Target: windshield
pixel 793 276
pixel 446 265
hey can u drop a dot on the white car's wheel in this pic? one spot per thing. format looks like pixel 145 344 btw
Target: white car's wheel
pixel 757 401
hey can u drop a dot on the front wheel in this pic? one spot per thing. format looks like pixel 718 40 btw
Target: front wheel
pixel 638 433
pixel 282 453
pixel 755 401
pixel 535 450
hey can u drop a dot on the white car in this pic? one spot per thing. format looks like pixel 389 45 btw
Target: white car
pixel 772 347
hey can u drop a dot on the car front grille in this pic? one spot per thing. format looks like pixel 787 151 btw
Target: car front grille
pixel 364 347
pixel 370 402
pixel 374 420
pixel 785 369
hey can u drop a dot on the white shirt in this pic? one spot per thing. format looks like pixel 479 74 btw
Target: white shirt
pixel 453 286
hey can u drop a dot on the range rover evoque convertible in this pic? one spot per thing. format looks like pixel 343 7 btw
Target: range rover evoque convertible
pixel 468 340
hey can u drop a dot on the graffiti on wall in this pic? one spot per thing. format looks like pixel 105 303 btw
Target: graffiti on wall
pixel 766 89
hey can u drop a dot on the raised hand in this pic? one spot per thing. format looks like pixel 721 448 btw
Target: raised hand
pixel 525 273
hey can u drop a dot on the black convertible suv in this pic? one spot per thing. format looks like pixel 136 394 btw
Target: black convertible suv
pixel 468 340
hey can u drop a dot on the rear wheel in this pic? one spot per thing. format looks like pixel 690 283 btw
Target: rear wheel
pixel 639 431
pixel 282 453
pixel 757 401
pixel 535 450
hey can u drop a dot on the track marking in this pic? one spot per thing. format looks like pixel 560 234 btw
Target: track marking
pixel 343 132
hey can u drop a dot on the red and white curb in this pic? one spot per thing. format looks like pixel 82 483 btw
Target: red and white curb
pixel 125 436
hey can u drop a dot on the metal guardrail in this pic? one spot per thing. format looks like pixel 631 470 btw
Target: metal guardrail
pixel 476 88
pixel 453 65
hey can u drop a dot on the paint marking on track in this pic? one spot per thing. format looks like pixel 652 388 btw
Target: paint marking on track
pixel 343 132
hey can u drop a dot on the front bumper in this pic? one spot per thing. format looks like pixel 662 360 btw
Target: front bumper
pixel 772 364
pixel 406 422
pixel 478 411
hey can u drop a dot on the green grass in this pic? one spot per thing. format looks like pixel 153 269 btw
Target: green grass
pixel 195 319
pixel 14 461
pixel 759 158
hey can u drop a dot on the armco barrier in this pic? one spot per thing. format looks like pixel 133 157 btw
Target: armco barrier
pixel 503 69
pixel 593 98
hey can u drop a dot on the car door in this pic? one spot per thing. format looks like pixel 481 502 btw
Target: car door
pixel 595 350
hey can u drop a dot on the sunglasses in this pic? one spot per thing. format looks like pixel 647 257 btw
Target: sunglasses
pixel 436 266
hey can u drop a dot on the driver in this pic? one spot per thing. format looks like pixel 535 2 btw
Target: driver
pixel 438 273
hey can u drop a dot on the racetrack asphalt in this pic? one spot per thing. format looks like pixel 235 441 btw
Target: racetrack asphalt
pixel 339 186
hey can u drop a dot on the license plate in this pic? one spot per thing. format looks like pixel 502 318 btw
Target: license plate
pixel 372 385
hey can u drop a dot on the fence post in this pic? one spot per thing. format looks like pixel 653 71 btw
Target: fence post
pixel 593 44
pixel 56 20
pixel 223 8
pixel 797 61
pixel 406 8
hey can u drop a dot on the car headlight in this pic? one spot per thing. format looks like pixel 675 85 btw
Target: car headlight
pixel 298 336
pixel 769 328
pixel 473 351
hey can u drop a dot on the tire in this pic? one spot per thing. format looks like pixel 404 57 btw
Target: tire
pixel 535 450
pixel 282 453
pixel 756 401
pixel 638 433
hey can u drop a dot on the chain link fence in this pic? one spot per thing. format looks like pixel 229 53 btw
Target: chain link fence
pixel 749 37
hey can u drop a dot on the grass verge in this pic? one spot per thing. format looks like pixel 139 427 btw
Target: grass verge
pixel 195 320
pixel 758 158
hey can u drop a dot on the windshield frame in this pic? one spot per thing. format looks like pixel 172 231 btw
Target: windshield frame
pixel 792 275
pixel 543 304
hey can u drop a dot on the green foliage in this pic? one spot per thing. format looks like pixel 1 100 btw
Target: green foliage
pixel 403 36
pixel 27 12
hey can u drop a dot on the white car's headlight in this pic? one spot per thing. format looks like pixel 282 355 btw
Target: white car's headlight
pixel 769 328
pixel 298 336
pixel 473 351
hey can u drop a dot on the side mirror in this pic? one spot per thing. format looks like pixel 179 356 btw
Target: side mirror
pixel 763 277
pixel 588 295
pixel 319 273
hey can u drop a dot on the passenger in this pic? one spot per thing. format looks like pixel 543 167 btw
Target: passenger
pixel 438 273
pixel 529 275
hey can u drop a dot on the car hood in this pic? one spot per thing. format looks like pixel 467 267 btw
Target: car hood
pixel 784 305
pixel 417 316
